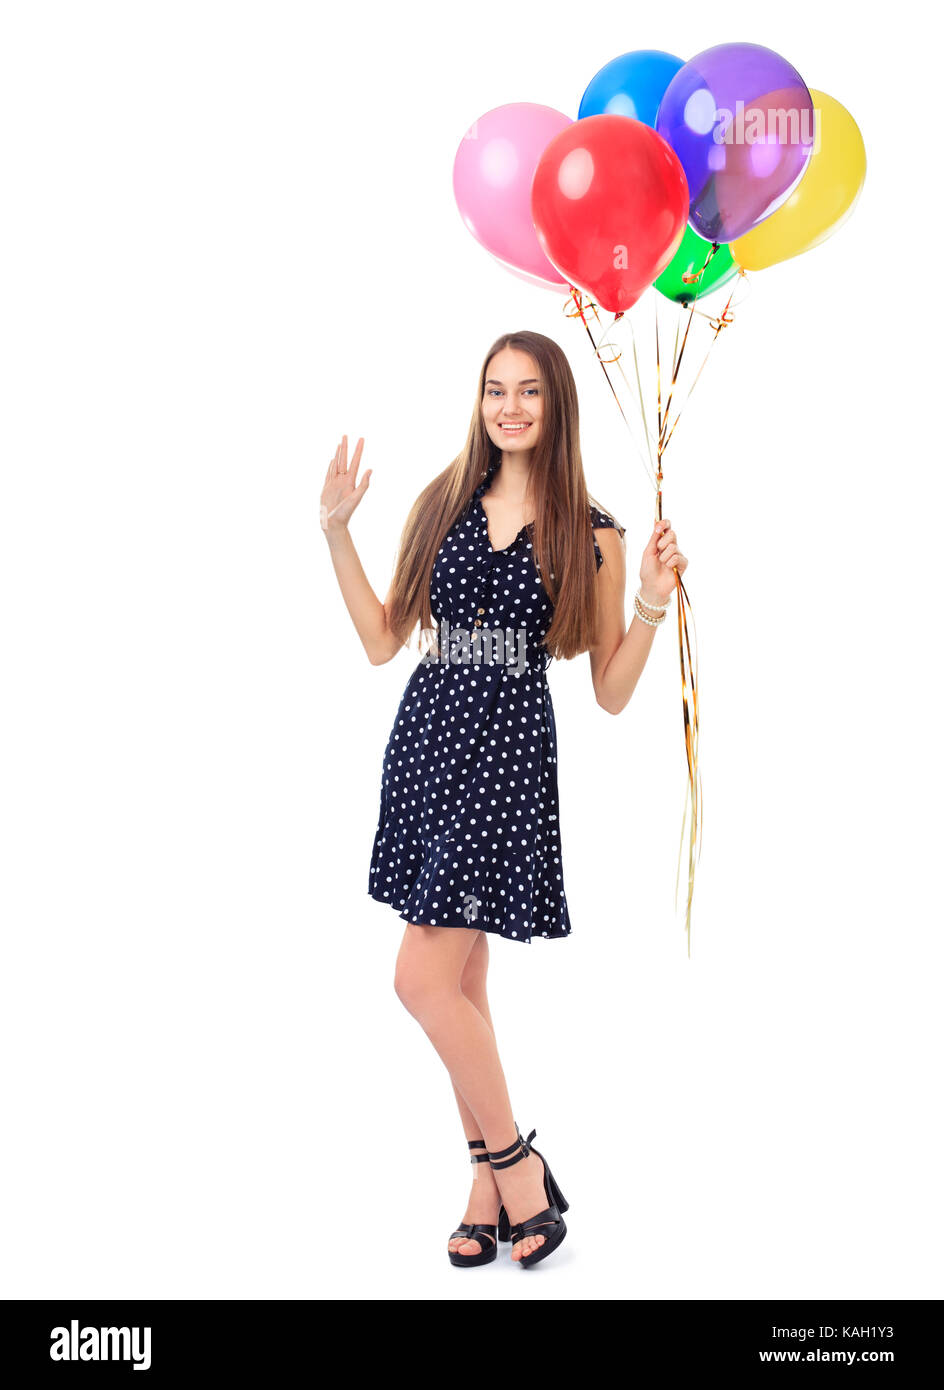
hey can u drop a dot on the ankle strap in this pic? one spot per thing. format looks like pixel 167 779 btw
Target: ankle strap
pixel 523 1144
pixel 476 1143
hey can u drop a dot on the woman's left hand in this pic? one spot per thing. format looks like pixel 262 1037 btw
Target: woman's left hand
pixel 660 557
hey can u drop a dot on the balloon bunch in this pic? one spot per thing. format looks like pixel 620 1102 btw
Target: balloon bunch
pixel 762 165
pixel 678 175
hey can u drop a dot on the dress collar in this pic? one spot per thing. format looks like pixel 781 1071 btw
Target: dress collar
pixel 476 506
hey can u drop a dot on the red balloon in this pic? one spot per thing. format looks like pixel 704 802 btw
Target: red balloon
pixel 610 204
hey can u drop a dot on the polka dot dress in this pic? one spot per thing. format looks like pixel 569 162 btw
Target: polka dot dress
pixel 468 834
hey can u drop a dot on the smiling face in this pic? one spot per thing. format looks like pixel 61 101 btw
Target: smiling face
pixel 513 400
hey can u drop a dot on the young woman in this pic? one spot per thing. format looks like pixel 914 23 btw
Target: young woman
pixel 505 562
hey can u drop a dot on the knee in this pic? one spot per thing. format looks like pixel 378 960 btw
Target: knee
pixel 408 985
pixel 418 994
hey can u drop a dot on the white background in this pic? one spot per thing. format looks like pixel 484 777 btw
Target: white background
pixel 229 237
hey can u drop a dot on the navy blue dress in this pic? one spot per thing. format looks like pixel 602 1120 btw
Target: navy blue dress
pixel 468 833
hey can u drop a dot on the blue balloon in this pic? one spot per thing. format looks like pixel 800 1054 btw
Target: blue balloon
pixel 631 85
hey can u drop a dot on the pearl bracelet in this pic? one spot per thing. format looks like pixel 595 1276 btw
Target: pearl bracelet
pixel 655 607
pixel 653 622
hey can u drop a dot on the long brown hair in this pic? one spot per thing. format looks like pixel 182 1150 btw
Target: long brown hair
pixel 562 537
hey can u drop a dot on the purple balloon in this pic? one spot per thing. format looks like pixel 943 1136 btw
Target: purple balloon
pixel 740 119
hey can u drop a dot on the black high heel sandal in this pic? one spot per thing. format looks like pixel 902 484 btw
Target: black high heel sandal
pixel 548 1223
pixel 488 1236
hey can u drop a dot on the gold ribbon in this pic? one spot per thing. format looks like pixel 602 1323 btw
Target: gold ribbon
pixel 583 306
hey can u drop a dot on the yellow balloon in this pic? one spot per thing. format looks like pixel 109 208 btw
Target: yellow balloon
pixel 821 201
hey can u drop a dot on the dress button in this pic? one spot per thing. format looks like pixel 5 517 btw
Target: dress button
pixel 477 623
pixel 480 611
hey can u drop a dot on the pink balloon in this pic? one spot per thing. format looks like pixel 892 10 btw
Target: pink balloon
pixel 491 178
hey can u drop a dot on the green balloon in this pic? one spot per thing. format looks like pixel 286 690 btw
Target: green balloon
pixel 688 260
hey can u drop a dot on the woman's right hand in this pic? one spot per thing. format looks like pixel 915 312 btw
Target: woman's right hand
pixel 342 492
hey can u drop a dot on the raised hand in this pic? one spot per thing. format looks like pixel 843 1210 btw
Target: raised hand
pixel 342 492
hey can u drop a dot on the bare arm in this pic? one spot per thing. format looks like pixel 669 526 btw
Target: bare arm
pixel 617 658
pixel 339 497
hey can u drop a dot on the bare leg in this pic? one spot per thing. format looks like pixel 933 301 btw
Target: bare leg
pixel 429 971
pixel 484 1199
